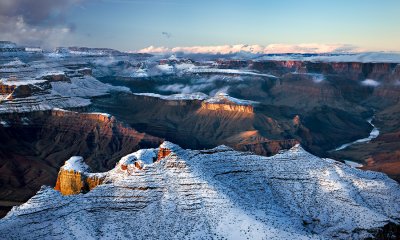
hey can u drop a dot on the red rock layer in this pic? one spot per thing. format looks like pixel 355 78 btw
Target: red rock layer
pixel 162 153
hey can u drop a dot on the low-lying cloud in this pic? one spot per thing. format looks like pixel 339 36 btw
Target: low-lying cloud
pixel 257 49
pixel 370 83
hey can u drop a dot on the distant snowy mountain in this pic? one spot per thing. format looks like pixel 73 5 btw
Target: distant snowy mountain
pixel 214 194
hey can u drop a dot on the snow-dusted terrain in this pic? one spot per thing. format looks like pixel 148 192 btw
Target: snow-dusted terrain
pixel 218 98
pixel 42 103
pixel 84 87
pixel 67 93
pixel 176 97
pixel 215 194
pixel 75 163
pixel 224 97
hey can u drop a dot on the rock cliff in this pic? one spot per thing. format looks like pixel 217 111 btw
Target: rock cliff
pixel 227 107
pixel 74 178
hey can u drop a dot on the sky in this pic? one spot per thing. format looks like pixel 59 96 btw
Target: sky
pixel 359 25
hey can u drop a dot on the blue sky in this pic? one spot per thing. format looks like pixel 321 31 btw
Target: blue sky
pixel 135 24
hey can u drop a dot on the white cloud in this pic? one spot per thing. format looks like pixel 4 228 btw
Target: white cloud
pixel 39 22
pixel 182 88
pixel 17 30
pixel 370 83
pixel 272 48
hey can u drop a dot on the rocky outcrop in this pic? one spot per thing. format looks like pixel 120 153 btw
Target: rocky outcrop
pixel 70 182
pixel 74 180
pixel 56 77
pixel 6 89
pixel 162 153
pixel 165 150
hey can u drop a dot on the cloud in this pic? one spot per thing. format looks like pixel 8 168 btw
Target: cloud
pixel 166 34
pixel 184 88
pixel 36 22
pixel 272 48
pixel 370 83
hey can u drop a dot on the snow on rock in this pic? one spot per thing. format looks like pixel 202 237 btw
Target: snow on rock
pixel 20 82
pixel 63 94
pixel 15 63
pixel 42 103
pixel 147 156
pixel 76 164
pixel 170 146
pixel 219 98
pixel 224 97
pixel 45 73
pixel 84 87
pixel 220 194
pixel 179 96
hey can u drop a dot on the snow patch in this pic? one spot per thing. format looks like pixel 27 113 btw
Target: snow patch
pixel 180 96
pixel 222 97
pixel 76 164
pixel 147 156
pixel 84 87
pixel 14 63
pixel 169 145
pixel 21 82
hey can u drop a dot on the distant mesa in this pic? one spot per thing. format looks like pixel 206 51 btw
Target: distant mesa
pixel 11 47
pixel 220 102
pixel 223 102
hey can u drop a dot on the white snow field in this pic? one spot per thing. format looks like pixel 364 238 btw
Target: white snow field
pixel 215 194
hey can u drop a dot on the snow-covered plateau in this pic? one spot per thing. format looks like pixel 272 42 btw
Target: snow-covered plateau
pixel 214 194
pixel 219 98
pixel 63 94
